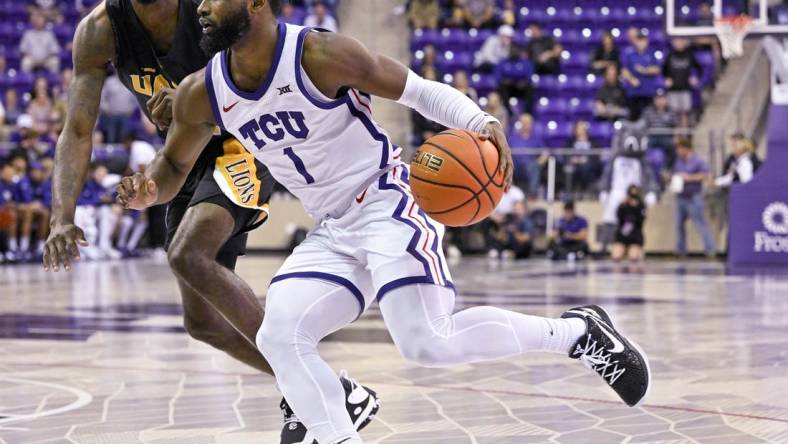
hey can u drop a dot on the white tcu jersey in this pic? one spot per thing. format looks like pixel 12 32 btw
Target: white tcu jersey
pixel 324 151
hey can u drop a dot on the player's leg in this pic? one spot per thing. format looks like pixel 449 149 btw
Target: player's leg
pixel 618 251
pixel 635 253
pixel 698 216
pixel 425 330
pixel 193 253
pixel 299 313
pixel 25 228
pixel 205 324
pixel 680 217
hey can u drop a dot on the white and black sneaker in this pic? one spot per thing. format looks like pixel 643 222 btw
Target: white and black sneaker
pixel 618 360
pixel 361 402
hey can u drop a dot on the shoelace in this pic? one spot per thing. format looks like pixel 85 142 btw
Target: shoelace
pixel 598 359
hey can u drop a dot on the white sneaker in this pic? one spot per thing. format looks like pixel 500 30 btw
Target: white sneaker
pixel 90 253
pixel 111 254
pixel 453 252
pixel 507 255
pixel 493 254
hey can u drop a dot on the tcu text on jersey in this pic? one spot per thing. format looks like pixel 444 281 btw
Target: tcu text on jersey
pixel 272 127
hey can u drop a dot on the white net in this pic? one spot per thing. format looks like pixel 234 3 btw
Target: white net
pixel 731 32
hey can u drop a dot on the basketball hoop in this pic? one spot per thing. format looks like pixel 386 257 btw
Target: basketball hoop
pixel 731 31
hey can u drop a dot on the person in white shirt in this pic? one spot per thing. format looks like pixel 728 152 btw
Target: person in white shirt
pixel 321 18
pixel 740 166
pixel 39 47
pixel 495 49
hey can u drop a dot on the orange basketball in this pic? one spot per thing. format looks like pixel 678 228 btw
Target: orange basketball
pixel 455 178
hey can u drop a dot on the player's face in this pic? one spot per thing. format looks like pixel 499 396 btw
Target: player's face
pixel 223 23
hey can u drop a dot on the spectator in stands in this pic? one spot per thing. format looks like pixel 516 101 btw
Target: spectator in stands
pixel 8 213
pixel 40 107
pixel 496 48
pixel 424 14
pixel 680 71
pixel 660 119
pixel 97 214
pixel 48 9
pixel 632 35
pixel 429 58
pixel 606 54
pixel 741 164
pixel 31 209
pixel 60 98
pixel 287 14
pixel 705 15
pixel 526 166
pixel 572 240
pixel 134 223
pixel 424 128
pixel 479 13
pixel 12 108
pixel 456 16
pixel 640 73
pixel 544 51
pixel 611 99
pixel 512 237
pixel 496 220
pixel 39 47
pixel 689 172
pixel 631 216
pixel 514 80
pixel 117 106
pixel 495 108
pixel 460 83
pixel 584 170
pixel 321 17
pixel 508 14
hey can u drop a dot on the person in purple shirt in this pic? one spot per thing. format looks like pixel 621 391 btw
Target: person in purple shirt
pixel 8 213
pixel 689 200
pixel 572 240
pixel 640 73
pixel 526 166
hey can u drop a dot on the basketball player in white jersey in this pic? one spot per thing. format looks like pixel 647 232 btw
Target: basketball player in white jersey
pixel 293 97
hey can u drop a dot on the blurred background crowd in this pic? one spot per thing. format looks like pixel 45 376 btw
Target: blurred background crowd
pixel 565 79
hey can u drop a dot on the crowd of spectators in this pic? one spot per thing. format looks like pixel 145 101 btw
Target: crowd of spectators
pixel 637 79
pixel 34 90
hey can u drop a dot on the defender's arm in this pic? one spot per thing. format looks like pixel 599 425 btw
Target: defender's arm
pixel 92 51
pixel 192 126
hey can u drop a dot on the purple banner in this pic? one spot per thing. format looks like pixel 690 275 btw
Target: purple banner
pixel 759 209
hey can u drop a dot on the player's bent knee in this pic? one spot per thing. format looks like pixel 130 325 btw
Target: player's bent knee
pixel 204 331
pixel 434 354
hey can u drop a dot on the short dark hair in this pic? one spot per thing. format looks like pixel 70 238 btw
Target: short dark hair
pixel 684 142
pixel 569 205
pixel 275 5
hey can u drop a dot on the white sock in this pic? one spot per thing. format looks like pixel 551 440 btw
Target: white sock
pixel 136 235
pixel 13 245
pixel 107 221
pixel 40 246
pixel 24 243
pixel 125 228
pixel 547 334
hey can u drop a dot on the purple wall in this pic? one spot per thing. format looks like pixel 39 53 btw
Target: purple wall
pixel 759 209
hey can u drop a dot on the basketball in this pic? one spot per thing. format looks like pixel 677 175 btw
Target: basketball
pixel 455 178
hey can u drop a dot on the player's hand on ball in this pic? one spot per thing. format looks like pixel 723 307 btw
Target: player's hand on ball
pixel 62 246
pixel 160 107
pixel 137 192
pixel 494 132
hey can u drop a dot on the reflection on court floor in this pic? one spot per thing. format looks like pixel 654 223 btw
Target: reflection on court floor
pixel 100 356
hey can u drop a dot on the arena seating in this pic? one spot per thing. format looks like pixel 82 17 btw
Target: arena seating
pixel 577 25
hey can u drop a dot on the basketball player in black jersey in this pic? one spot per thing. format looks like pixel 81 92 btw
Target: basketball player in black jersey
pixel 153 45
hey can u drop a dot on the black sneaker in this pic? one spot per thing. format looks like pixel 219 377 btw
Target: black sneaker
pixel 362 405
pixel 618 360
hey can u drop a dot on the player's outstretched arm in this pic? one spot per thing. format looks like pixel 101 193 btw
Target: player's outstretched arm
pixel 93 49
pixel 191 129
pixel 334 61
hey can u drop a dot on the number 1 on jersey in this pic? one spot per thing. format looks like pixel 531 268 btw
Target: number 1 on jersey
pixel 299 164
